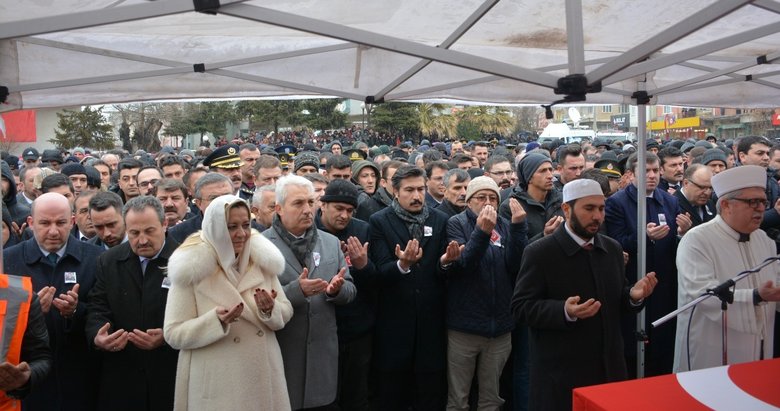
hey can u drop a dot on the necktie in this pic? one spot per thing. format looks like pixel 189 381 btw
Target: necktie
pixel 743 238
pixel 144 263
pixel 53 257
pixel 587 246
pixel 84 238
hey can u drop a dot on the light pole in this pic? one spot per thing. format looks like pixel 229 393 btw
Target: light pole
pixel 363 110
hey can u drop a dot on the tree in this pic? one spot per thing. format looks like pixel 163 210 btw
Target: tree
pixel 526 118
pixel 270 114
pixel 85 128
pixel 321 114
pixel 488 119
pixel 396 119
pixel 468 130
pixel 433 122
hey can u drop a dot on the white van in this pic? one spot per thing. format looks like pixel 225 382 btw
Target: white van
pixel 616 136
pixel 555 131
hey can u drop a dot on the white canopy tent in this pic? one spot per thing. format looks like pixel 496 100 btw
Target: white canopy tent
pixel 712 53
pixel 694 52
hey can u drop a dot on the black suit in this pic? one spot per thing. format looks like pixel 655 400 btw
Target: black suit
pixel 564 354
pixel 71 383
pixel 410 332
pixel 132 379
pixel 708 210
pixel 181 231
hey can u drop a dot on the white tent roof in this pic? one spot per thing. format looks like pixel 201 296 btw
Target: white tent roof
pixel 692 52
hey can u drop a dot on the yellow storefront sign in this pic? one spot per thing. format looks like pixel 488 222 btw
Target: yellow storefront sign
pixel 678 123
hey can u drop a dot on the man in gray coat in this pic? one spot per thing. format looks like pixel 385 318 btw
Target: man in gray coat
pixel 315 279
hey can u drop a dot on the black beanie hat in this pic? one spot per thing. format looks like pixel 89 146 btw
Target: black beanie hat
pixel 340 191
pixel 73 168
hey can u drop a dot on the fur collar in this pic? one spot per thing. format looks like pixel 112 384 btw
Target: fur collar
pixel 195 260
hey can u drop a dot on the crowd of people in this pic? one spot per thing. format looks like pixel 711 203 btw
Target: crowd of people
pixel 448 275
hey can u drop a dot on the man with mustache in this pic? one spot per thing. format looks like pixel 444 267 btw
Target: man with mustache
pixel 672 169
pixel 175 200
pixel 695 196
pixel 315 279
pixel 455 183
pixel 479 290
pixel 715 252
pixel 499 168
pixel 226 161
pixel 573 287
pixel 409 247
pixel 664 224
pixel 355 321
pixel 125 314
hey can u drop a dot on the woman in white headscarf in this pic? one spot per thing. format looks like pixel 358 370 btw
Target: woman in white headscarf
pixel 224 305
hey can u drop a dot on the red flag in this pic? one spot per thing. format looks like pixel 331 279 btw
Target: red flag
pixel 19 126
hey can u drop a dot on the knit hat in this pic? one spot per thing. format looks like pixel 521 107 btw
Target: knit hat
pixel 306 159
pixel 531 146
pixel 340 191
pixel 738 178
pixel 70 169
pixel 714 154
pixel 93 176
pixel 481 183
pixel 528 166
pixel 361 164
pixel 582 187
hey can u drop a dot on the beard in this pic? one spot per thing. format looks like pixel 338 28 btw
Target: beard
pixel 580 229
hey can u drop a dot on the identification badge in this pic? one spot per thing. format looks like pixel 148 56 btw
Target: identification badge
pixel 427 231
pixel 166 282
pixel 495 238
pixel 316 256
pixel 70 277
pixel 661 219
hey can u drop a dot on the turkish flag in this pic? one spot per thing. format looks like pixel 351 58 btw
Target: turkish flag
pixel 19 126
pixel 776 119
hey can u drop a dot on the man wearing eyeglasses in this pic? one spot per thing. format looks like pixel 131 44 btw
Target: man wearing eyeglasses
pixel 500 170
pixel 695 196
pixel 479 291
pixel 147 177
pixel 715 252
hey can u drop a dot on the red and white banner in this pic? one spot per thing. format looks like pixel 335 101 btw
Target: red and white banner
pixel 18 126
pixel 741 387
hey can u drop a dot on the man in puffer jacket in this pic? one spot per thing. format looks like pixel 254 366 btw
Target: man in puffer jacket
pixel 479 293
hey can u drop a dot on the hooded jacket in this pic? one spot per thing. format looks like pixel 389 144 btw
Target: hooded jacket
pixel 17 210
pixel 538 213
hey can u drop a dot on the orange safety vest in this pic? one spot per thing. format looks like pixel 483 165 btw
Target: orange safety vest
pixel 15 298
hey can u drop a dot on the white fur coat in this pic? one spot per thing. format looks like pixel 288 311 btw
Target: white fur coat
pixel 239 366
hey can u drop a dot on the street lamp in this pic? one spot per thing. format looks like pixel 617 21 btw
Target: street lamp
pixel 363 109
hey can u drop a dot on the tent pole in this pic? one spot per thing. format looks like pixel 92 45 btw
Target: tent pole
pixel 575 37
pixel 641 226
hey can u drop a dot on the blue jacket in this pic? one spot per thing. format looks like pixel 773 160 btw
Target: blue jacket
pixel 621 220
pixel 480 286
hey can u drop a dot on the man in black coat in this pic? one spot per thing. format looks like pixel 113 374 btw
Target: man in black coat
pixel 125 314
pixel 62 269
pixel 208 187
pixel 695 196
pixel 571 291
pixel 383 196
pixel 409 247
pixel 355 321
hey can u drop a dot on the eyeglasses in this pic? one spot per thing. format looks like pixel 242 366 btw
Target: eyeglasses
pixel 147 183
pixel 483 198
pixel 501 173
pixel 754 202
pixel 701 187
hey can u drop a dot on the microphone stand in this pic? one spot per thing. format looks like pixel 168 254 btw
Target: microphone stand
pixel 725 294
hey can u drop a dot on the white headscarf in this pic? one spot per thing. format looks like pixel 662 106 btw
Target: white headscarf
pixel 215 232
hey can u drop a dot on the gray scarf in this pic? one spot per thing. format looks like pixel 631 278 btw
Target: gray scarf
pixel 383 196
pixel 414 222
pixel 301 248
